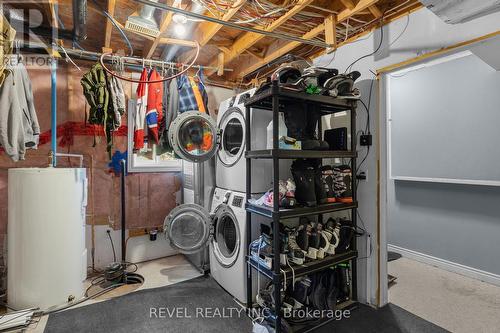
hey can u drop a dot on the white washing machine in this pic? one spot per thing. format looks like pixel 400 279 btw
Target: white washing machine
pixel 196 137
pixel 230 162
pixel 190 228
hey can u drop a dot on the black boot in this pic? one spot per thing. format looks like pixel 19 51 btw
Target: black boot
pixel 319 185
pixel 304 177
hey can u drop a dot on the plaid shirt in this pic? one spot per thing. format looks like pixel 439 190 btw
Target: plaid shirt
pixel 187 100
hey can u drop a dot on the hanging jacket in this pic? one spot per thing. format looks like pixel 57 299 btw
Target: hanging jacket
pixel 117 97
pixel 95 89
pixel 187 97
pixel 7 35
pixel 155 106
pixel 140 111
pixel 19 128
pixel 170 109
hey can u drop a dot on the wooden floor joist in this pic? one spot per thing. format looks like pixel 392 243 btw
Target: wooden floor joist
pixel 250 38
pixel 109 25
pixel 275 54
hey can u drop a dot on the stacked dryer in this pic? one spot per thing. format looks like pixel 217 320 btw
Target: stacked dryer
pixel 195 137
pixel 228 267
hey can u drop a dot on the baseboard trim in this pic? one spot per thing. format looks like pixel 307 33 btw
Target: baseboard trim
pixel 449 266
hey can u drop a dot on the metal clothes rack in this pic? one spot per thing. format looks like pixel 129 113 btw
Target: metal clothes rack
pixel 94 56
pixel 273 100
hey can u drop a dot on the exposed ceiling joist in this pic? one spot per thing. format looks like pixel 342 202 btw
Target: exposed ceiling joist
pixel 109 25
pixel 250 38
pixel 349 4
pixel 375 11
pixel 207 30
pixel 288 47
pixel 150 48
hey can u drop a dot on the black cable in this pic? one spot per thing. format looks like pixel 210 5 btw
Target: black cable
pixel 112 245
pixel 374 52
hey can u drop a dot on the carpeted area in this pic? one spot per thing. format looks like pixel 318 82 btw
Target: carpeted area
pixel 389 319
pixel 172 309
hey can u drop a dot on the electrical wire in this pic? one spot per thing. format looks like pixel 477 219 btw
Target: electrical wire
pixel 372 53
pixel 112 245
pixel 102 292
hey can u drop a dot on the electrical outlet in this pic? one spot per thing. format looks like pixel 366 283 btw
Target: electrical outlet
pixel 363 175
pixel 365 140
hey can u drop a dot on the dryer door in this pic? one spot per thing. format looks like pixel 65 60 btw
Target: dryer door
pixel 232 145
pixel 188 227
pixel 227 237
pixel 193 136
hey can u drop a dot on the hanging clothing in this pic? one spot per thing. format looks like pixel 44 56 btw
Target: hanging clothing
pixel 117 97
pixel 140 111
pixel 170 109
pixel 19 128
pixel 187 97
pixel 95 88
pixel 7 35
pixel 154 110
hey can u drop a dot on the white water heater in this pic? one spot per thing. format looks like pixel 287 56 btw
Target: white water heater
pixel 47 259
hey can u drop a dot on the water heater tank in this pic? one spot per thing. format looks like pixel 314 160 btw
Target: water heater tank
pixel 47 259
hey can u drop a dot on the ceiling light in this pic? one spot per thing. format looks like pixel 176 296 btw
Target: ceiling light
pixel 180 30
pixel 179 18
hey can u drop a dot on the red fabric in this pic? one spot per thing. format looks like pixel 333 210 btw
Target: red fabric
pixel 155 104
pixel 68 130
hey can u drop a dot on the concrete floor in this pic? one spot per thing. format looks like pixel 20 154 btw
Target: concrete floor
pixel 454 302
pixel 158 273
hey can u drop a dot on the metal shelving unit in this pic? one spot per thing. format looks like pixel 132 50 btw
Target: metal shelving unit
pixel 273 100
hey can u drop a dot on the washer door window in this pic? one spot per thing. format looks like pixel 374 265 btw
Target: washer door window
pixel 193 136
pixel 226 239
pixel 188 227
pixel 232 146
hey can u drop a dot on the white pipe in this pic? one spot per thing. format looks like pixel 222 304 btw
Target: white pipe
pixel 72 155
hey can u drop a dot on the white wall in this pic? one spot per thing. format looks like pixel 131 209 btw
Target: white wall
pixel 425 33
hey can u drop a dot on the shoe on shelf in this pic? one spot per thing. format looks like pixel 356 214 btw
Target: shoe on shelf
pixel 295 253
pixel 304 177
pixel 319 187
pixel 261 251
pixel 328 179
pixel 343 179
pixel 333 233
pixel 314 243
pixel 324 243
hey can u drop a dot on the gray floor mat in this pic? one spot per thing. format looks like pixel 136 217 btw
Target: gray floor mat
pixel 131 313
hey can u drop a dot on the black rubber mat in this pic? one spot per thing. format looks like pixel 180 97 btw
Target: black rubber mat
pixel 197 305
pixel 389 319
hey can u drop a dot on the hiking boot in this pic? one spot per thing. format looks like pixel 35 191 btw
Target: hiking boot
pixel 261 251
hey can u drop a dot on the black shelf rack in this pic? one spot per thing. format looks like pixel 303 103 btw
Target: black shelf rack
pixel 274 99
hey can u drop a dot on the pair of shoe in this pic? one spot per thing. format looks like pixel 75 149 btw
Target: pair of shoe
pixel 319 291
pixel 337 183
pixel 308 180
pixel 343 182
pixel 286 195
pixel 261 251
pixel 302 124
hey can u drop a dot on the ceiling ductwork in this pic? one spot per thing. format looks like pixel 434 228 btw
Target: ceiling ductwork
pixel 144 23
pixel 80 19
pixel 459 11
